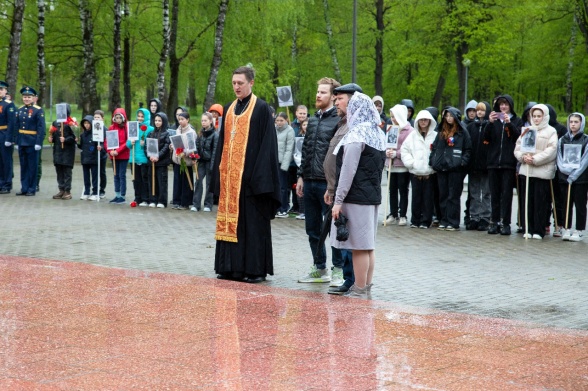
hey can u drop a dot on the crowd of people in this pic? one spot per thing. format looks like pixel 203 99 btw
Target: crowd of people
pixel 321 167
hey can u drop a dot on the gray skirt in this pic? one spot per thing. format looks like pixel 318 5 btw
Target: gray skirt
pixel 362 226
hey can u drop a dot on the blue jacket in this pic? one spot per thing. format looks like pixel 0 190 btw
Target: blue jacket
pixel 145 128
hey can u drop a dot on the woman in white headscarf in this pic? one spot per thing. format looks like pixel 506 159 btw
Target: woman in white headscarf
pixel 360 160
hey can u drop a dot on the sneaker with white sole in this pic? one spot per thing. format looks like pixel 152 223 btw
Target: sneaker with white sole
pixel 93 198
pixel 537 236
pixel 160 206
pixel 402 221
pixel 193 209
pixel 337 277
pixel 316 275
pixel 206 209
pixel 566 235
pixel 390 220
pixel 357 293
pixel 577 236
pixel 84 197
pixel 558 232
pixel 527 236
pixel 143 204
pixel 301 217
pixel 282 215
pixel 152 205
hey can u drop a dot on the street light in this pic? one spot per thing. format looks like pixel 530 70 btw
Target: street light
pixel 51 66
pixel 466 63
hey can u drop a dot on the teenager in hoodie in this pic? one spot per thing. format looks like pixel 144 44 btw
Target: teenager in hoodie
pixel 206 144
pixel 478 188
pixel 415 153
pixel 399 176
pixel 155 107
pixel 558 208
pixel 410 106
pixel 379 103
pixel 576 177
pixel 64 152
pixel 177 112
pixel 539 167
pixel 471 113
pixel 120 155
pixel 161 162
pixel 450 156
pixel 141 181
pixel 501 134
pixel 182 193
pixel 89 159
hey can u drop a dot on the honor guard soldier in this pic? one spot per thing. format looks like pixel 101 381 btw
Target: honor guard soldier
pixel 30 122
pixel 7 122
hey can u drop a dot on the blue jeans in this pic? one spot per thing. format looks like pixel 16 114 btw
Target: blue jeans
pixel 90 176
pixel 120 177
pixel 347 268
pixel 314 210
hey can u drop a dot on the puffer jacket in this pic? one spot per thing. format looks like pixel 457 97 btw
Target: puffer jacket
pixel 122 150
pixel 144 129
pixel 501 138
pixel 476 129
pixel 89 148
pixel 206 143
pixel 319 132
pixel 455 157
pixel 285 137
pixel 545 149
pixel 63 156
pixel 162 137
pixel 416 149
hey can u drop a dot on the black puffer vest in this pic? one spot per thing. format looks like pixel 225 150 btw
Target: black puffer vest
pixel 366 186
pixel 319 133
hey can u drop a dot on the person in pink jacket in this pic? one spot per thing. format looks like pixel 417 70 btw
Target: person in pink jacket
pixel 119 156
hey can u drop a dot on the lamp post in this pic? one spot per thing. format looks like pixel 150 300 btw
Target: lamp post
pixel 466 63
pixel 354 44
pixel 51 66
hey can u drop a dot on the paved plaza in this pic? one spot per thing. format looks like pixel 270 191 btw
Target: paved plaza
pixel 505 301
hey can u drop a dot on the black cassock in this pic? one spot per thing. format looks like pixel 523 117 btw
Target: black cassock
pixel 259 197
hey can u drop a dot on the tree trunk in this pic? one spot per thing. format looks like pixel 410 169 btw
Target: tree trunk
pixel 14 45
pixel 115 85
pixel 460 51
pixel 569 86
pixel 294 55
pixel 174 62
pixel 42 74
pixel 331 42
pixel 379 48
pixel 191 95
pixel 440 86
pixel 127 73
pixel 581 18
pixel 217 57
pixel 89 93
pixel 164 53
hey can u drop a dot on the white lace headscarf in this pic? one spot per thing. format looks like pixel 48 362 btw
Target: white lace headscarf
pixel 363 120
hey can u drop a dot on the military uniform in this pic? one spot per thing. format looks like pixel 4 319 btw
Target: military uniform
pixel 7 122
pixel 30 122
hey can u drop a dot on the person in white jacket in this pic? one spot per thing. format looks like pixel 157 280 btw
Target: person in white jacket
pixel 285 135
pixel 415 153
pixel 539 167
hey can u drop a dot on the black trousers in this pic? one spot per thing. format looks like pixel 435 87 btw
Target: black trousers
pixel 182 194
pixel 422 200
pixel 141 183
pixel 161 176
pixel 64 174
pixel 539 198
pixel 399 187
pixel 501 181
pixel 90 178
pixel 450 190
pixel 578 198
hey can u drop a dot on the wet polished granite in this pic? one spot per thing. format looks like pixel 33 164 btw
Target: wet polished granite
pixel 75 326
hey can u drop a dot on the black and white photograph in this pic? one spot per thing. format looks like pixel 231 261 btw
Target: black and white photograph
pixel 190 142
pixel 112 141
pixel 97 131
pixel 285 97
pixel 392 137
pixel 61 112
pixel 171 132
pixel 298 150
pixel 572 154
pixel 133 130
pixel 177 141
pixel 528 140
pixel 152 147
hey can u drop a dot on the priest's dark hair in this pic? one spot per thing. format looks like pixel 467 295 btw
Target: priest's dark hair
pixel 247 71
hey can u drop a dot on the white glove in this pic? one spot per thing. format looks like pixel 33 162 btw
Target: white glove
pixel 37 147
pixel 7 143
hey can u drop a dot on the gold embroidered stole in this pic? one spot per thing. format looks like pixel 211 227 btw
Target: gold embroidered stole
pixel 231 169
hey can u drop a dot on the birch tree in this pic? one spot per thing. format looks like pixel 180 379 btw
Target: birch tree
pixel 164 53
pixel 217 56
pixel 89 94
pixel 331 41
pixel 15 43
pixel 115 100
pixel 42 74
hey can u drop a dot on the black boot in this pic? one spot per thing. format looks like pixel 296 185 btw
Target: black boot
pixel 494 229
pixel 505 230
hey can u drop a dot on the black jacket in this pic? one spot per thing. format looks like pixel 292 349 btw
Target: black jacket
pixel 319 133
pixel 479 157
pixel 454 156
pixel 502 138
pixel 559 128
pixel 206 144
pixel 366 188
pixel 89 148
pixel 64 156
pixel 163 142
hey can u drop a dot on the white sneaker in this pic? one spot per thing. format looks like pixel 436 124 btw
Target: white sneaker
pixel 84 197
pixel 536 236
pixel 206 209
pixel 193 209
pixel 566 235
pixel 391 220
pixel 93 198
pixel 337 277
pixel 300 216
pixel 357 293
pixel 558 232
pixel 577 236
pixel 143 204
pixel 152 205
pixel 316 275
pixel 402 221
pixel 527 236
pixel 160 206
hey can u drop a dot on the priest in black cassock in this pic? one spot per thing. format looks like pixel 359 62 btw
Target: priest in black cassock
pixel 245 179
